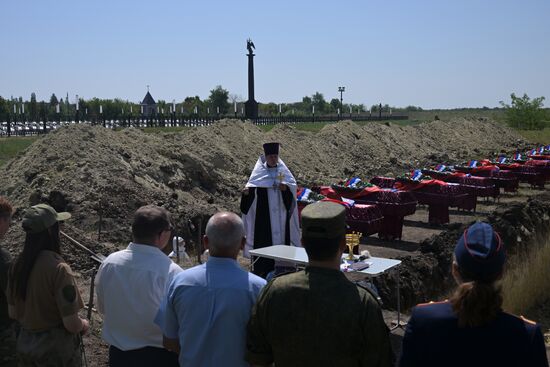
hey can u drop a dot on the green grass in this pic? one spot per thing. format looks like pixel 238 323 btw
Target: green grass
pixel 537 136
pixel 525 283
pixel 9 147
pixel 429 115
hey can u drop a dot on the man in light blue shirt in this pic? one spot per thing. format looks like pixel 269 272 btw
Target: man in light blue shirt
pixel 207 308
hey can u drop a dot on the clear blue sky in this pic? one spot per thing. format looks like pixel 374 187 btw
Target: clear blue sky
pixel 432 53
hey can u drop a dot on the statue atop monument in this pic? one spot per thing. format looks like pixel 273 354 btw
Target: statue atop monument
pixel 250 45
pixel 251 106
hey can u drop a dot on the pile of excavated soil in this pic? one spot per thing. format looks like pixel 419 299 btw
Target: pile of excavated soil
pixel 92 172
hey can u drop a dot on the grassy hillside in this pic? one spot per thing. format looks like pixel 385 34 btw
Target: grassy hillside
pixel 537 136
pixel 9 147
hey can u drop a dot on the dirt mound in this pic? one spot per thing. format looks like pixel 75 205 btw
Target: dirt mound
pixel 92 171
pixel 102 176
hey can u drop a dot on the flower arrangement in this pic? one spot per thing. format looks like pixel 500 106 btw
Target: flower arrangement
pixel 309 196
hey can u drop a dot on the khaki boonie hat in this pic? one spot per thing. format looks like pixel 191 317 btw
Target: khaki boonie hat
pixel 323 220
pixel 40 217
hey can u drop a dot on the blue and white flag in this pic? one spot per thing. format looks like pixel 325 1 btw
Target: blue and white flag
pixel 501 159
pixel 353 182
pixel 348 202
pixel 472 164
pixel 304 194
pixel 517 156
pixel 440 167
pixel 416 175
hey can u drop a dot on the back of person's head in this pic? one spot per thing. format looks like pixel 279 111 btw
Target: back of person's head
pixel 478 262
pixel 225 234
pixel 41 226
pixel 149 222
pixel 6 209
pixel 323 229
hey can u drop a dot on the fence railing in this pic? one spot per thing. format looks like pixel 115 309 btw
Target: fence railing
pixel 29 128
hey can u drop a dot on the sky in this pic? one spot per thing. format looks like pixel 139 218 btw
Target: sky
pixel 427 53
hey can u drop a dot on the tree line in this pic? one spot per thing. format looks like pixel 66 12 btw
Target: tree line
pixel 522 113
pixel 220 101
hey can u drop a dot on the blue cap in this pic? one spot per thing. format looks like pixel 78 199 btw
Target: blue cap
pixel 479 252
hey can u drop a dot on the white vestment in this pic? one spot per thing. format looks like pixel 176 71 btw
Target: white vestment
pixel 270 178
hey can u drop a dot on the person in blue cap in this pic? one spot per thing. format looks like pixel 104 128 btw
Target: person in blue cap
pixel 471 329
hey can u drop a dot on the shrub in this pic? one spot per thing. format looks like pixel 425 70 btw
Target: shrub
pixel 525 113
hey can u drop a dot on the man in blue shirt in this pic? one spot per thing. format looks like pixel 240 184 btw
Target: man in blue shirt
pixel 208 306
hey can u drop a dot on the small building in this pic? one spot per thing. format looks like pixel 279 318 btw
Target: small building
pixel 148 106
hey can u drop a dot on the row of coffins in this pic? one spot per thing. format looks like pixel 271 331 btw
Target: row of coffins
pixel 380 206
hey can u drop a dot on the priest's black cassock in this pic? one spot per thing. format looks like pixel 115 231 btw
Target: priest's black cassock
pixel 270 214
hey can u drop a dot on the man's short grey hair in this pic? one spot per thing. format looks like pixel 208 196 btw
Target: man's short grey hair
pixel 225 231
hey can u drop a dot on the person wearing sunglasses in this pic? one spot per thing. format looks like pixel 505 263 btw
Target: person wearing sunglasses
pixel 471 329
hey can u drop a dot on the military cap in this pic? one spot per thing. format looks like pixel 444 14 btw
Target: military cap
pixel 40 217
pixel 479 252
pixel 323 220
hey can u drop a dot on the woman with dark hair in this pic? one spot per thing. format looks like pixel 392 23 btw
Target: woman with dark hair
pixel 43 296
pixel 471 329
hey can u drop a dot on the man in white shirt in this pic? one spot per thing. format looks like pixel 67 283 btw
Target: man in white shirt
pixel 130 285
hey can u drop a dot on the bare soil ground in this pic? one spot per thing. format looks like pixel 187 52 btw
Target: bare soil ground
pixel 102 176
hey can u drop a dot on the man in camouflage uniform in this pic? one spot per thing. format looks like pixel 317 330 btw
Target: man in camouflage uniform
pixel 317 317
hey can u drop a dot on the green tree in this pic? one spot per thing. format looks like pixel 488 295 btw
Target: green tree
pixel 4 109
pixel 190 103
pixel 306 101
pixel 33 108
pixel 319 102
pixel 335 104
pixel 268 109
pixel 42 111
pixel 525 113
pixel 219 97
pixel 53 100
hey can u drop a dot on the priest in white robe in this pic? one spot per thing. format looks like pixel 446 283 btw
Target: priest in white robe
pixel 268 207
